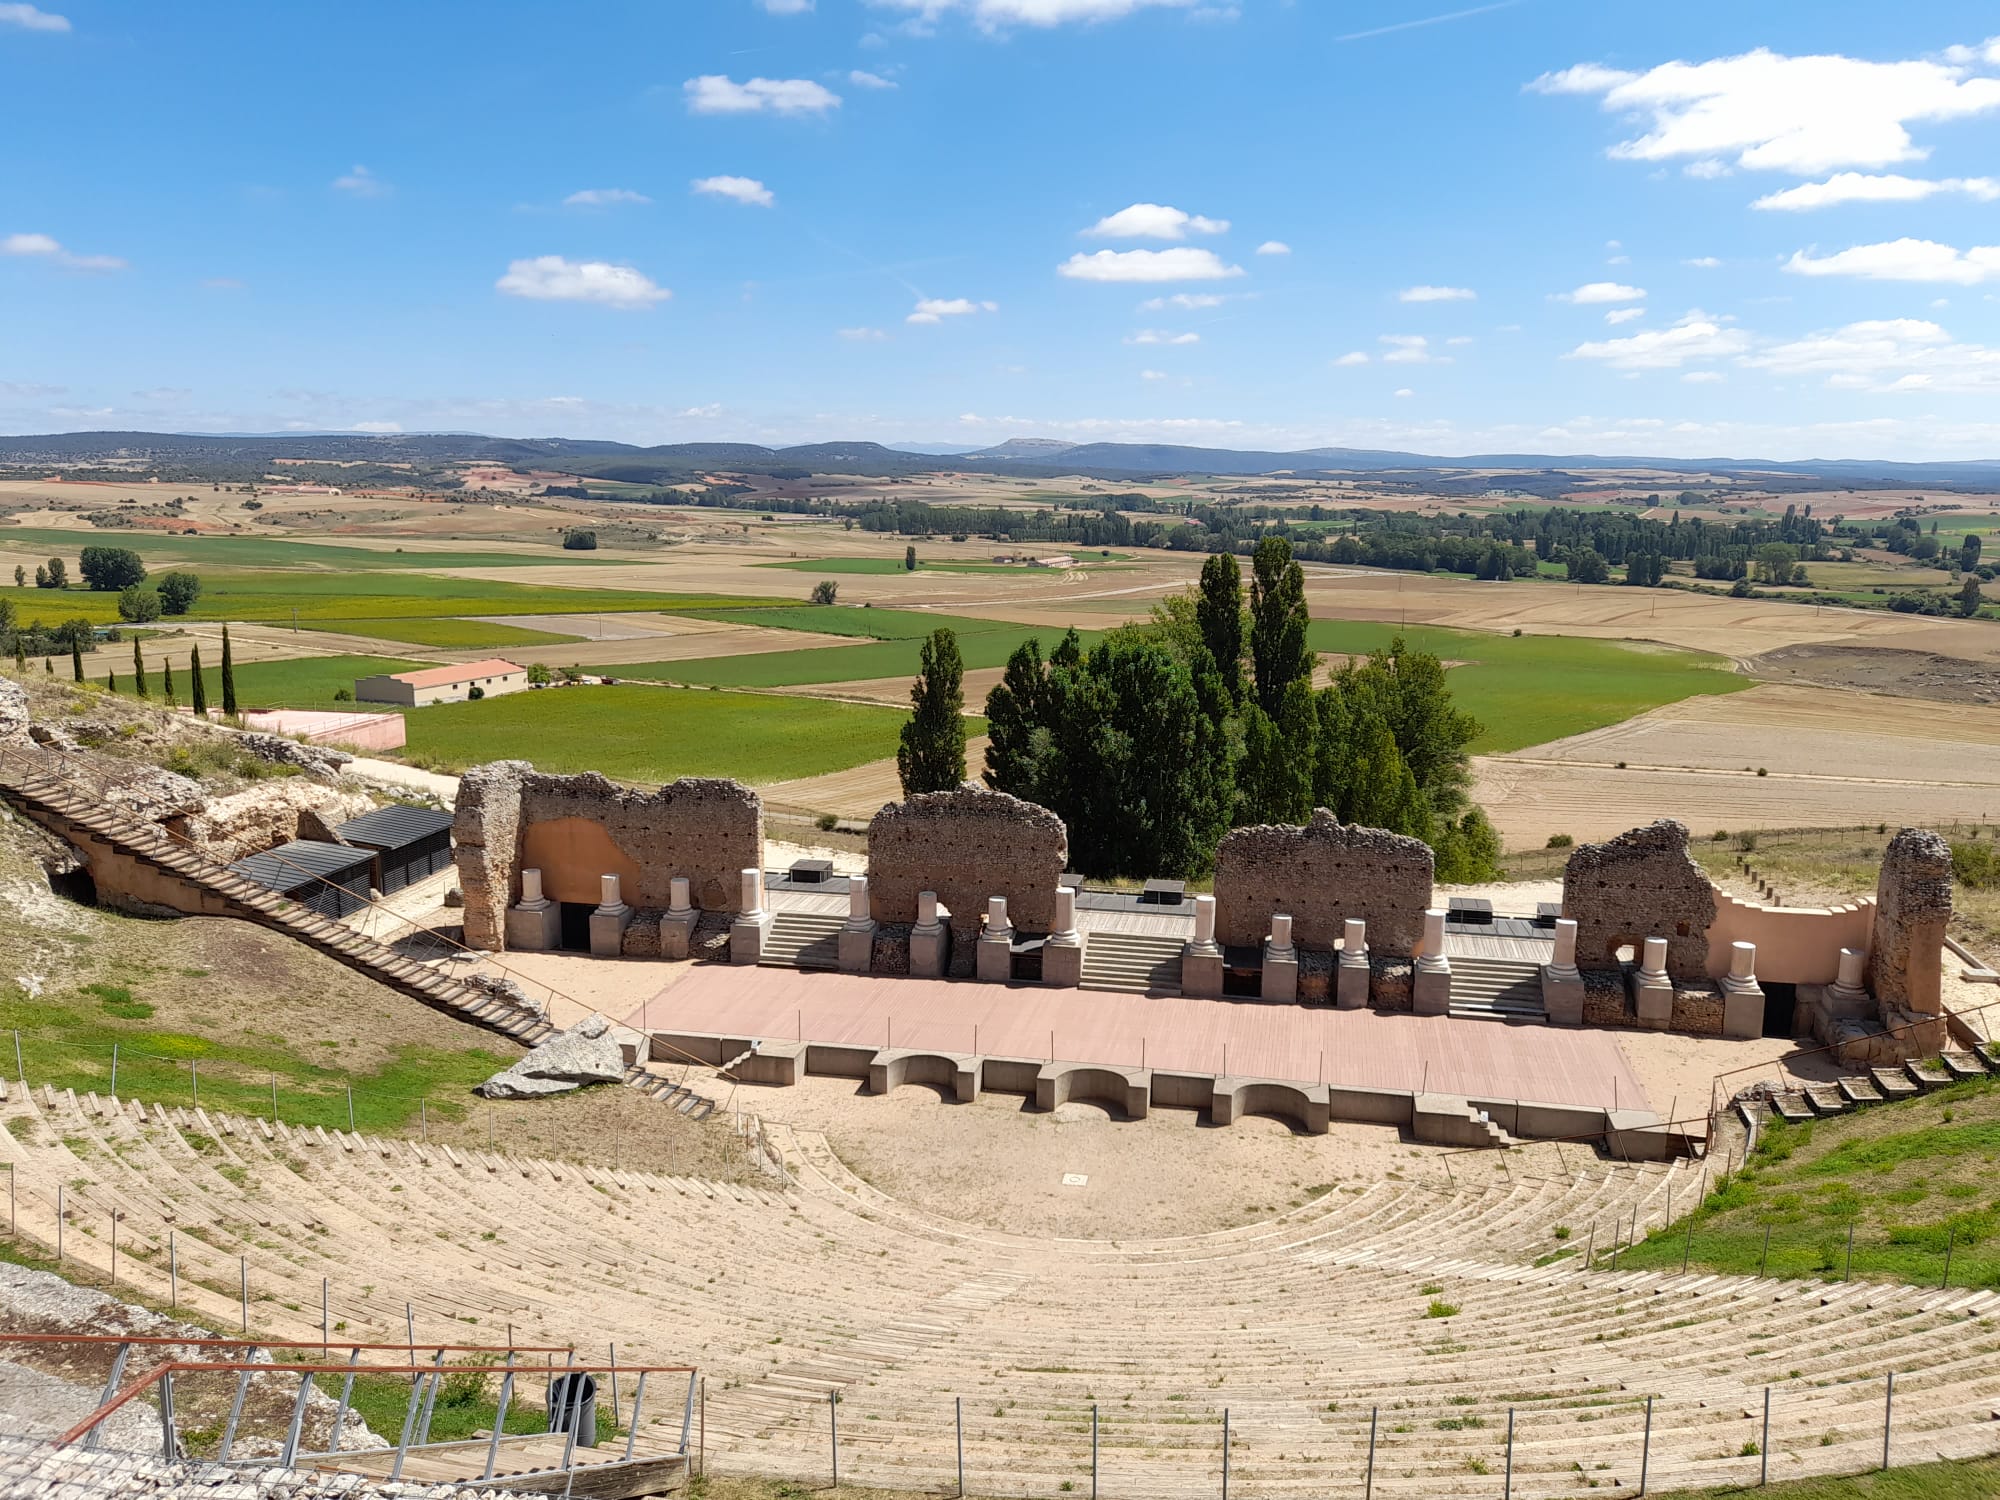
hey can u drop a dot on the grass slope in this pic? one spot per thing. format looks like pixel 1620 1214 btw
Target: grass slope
pixel 1910 1178
pixel 1529 689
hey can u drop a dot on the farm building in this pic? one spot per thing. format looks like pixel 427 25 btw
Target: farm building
pixel 443 684
pixel 409 843
pixel 331 879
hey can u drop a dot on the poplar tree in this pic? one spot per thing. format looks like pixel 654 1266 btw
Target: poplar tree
pixel 1219 613
pixel 931 755
pixel 1279 655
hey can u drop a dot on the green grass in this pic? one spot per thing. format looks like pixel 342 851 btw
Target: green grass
pixel 449 634
pixel 466 1403
pixel 308 682
pixel 1976 1479
pixel 1529 689
pixel 654 734
pixel 1910 1178
pixel 161 550
pixel 836 565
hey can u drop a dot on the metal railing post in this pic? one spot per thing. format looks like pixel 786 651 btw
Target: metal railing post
pixel 430 1401
pixel 1225 1453
pixel 1888 1414
pixel 291 1448
pixel 346 1397
pixel 243 1290
pixel 638 1402
pixel 325 1314
pixel 958 1426
pixel 1950 1239
pixel 833 1432
pixel 1093 1453
pixel 110 1389
pixel 500 1418
pixel 687 1413
pixel 235 1416
pixel 1764 1444
pixel 60 1215
pixel 1368 1488
pixel 167 1440
pixel 1646 1447
pixel 1507 1484
pixel 1847 1271
pixel 409 1426
pixel 173 1271
pixel 1765 1259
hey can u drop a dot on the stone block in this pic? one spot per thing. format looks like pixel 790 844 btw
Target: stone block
pixel 775 1064
pixel 1062 965
pixel 1562 997
pixel 1201 973
pixel 530 931
pixel 1350 983
pixel 994 961
pixel 1430 991
pixel 677 933
pixel 1653 998
pixel 746 937
pixel 1281 977
pixel 929 952
pixel 1743 1011
pixel 607 932
pixel 1322 874
pixel 857 949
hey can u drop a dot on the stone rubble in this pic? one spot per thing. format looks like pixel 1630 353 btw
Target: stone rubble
pixel 586 1053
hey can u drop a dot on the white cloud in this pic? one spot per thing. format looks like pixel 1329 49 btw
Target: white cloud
pixel 1162 336
pixel 1593 293
pixel 1437 294
pixel 1890 354
pixel 786 7
pixel 1187 301
pixel 1153 221
pixel 28 18
pixel 861 78
pixel 1703 377
pixel 937 309
pixel 47 247
pixel 1904 260
pixel 1411 349
pixel 715 94
pixel 747 190
pixel 995 14
pixel 360 183
pixel 1353 357
pixel 1703 262
pixel 1865 187
pixel 1152 374
pixel 604 198
pixel 863 335
pixel 551 278
pixel 1274 247
pixel 1405 392
pixel 1462 338
pixel 1695 337
pixel 1185 264
pixel 1619 315
pixel 1769 112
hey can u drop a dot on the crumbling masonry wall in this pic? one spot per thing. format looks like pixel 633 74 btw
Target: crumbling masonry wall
pixel 966 845
pixel 1641 884
pixel 1322 874
pixel 1912 911
pixel 578 828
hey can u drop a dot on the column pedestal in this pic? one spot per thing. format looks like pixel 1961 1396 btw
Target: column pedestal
pixel 752 924
pixel 1062 954
pixel 1351 976
pixel 1652 991
pixel 930 939
pixel 534 923
pixel 857 937
pixel 609 921
pixel 1281 963
pixel 1430 985
pixel 993 962
pixel 1201 959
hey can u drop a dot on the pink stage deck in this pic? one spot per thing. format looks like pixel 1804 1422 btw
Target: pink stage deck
pixel 1356 1048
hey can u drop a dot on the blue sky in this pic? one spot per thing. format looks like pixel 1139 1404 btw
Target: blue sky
pixel 1547 225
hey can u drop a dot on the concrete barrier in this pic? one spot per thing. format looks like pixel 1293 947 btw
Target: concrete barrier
pixel 1129 1089
pixel 957 1073
pixel 1305 1105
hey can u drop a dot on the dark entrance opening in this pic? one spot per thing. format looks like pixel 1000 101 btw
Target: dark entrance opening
pixel 576 926
pixel 1242 973
pixel 1779 1002
pixel 76 885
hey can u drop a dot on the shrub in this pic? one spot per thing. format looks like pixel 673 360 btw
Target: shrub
pixel 178 592
pixel 578 539
pixel 1441 1309
pixel 1746 841
pixel 827 822
pixel 1560 841
pixel 1720 836
pixel 539 675
pixel 1763 771
pixel 1975 865
pixel 825 591
pixel 138 605
pixel 474 694
pixel 343 695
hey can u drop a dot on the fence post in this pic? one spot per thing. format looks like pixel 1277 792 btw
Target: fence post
pixel 1888 1414
pixel 1225 1453
pixel 833 1432
pixel 1093 1452
pixel 1646 1447
pixel 173 1272
pixel 1847 1272
pixel 350 1109
pixel 194 1083
pixel 114 1070
pixel 1590 1247
pixel 1368 1488
pixel 958 1418
pixel 1507 1485
pixel 1950 1239
pixel 59 1223
pixel 20 1068
pixel 167 1440
pixel 1764 1259
pixel 243 1290
pixel 1687 1249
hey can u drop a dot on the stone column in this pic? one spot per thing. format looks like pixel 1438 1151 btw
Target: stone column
pixel 1430 985
pixel 1351 976
pixel 994 959
pixel 1281 962
pixel 1201 959
pixel 1846 986
pixel 1652 991
pixel 753 922
pixel 677 924
pixel 534 923
pixel 1062 954
pixel 609 921
pixel 1742 996
pixel 1562 984
pixel 857 935
pixel 930 939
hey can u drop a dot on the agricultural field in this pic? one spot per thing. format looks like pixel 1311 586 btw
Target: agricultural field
pixel 163 550
pixel 306 682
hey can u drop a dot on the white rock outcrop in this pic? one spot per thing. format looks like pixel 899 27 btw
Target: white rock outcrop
pixel 586 1053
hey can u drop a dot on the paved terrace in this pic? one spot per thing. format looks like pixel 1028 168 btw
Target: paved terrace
pixel 1357 1048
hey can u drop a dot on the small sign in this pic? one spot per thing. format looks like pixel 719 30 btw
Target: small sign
pixel 1075 1179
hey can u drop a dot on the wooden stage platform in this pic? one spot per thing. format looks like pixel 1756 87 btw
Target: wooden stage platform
pixel 1316 1044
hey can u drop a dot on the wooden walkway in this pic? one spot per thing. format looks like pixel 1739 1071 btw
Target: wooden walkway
pixel 1357 1048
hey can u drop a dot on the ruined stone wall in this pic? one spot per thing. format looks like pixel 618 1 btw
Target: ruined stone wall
pixel 966 845
pixel 1641 884
pixel 577 828
pixel 1912 911
pixel 1322 874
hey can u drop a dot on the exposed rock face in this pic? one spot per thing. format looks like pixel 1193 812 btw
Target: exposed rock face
pixel 152 794
pixel 1641 884
pixel 13 712
pixel 586 1053
pixel 966 845
pixel 500 987
pixel 578 828
pixel 272 813
pixel 319 761
pixel 1322 874
pixel 1912 911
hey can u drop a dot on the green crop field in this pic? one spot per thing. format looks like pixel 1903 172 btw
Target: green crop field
pixel 447 633
pixel 309 682
pixel 837 565
pixel 1529 689
pixel 654 734
pixel 162 550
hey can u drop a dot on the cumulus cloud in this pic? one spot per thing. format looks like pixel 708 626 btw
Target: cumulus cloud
pixel 29 18
pixel 1703 262
pixel 1274 247
pixel 1404 392
pixel 1162 336
pixel 1187 301
pixel 1766 111
pixel 1619 315
pixel 359 182
pixel 1696 337
pixel 785 7
pixel 996 14
pixel 48 248
pixel 1411 349
pixel 1592 293
pixel 1866 187
pixel 604 198
pixel 1703 377
pixel 551 278
pixel 1184 264
pixel 738 189
pixel 1437 294
pixel 863 335
pixel 1153 221
pixel 1887 354
pixel 716 94
pixel 937 309
pixel 1353 357
pixel 861 78
pixel 1904 260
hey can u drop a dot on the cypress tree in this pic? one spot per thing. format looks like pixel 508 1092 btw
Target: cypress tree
pixel 931 756
pixel 76 659
pixel 167 679
pixel 110 682
pixel 228 678
pixel 138 670
pixel 198 695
